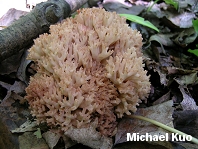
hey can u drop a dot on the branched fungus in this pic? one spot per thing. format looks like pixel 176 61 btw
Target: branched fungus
pixel 89 67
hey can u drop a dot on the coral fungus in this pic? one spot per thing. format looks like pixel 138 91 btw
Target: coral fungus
pixel 88 68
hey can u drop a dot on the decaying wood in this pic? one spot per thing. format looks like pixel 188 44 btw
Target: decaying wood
pixel 22 32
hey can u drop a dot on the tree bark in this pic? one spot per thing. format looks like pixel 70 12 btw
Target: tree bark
pixel 22 32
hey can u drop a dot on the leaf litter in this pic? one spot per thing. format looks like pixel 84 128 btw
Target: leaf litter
pixel 171 60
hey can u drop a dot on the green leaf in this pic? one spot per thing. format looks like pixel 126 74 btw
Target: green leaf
pixel 172 2
pixel 38 133
pixel 195 52
pixel 139 20
pixel 195 25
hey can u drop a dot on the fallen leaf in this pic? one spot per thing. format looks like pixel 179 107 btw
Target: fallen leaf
pixel 162 99
pixel 5 85
pixel 161 113
pixel 21 72
pixel 27 126
pixel 68 141
pixel 187 3
pixel 51 138
pixel 163 39
pixel 123 7
pixel 186 37
pixel 187 79
pixel 29 141
pixel 18 87
pixel 188 103
pixel 186 121
pixel 90 137
pixel 38 133
pixel 7 141
pixel 10 16
pixel 14 91
pixel 178 71
pixel 183 20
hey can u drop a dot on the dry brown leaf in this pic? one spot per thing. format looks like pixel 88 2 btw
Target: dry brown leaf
pixel 51 138
pixel 188 103
pixel 90 137
pixel 29 141
pixel 161 113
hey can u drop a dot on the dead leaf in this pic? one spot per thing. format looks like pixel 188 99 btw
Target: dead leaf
pixel 163 39
pixel 186 37
pixel 117 2
pixel 162 99
pixel 27 126
pixel 21 72
pixel 188 102
pixel 14 92
pixel 183 20
pixel 123 9
pixel 51 138
pixel 193 89
pixel 178 71
pixel 11 15
pixel 29 141
pixel 18 87
pixel 7 141
pixel 12 113
pixel 186 121
pixel 11 64
pixel 5 85
pixel 188 79
pixel 68 141
pixel 90 137
pixel 161 113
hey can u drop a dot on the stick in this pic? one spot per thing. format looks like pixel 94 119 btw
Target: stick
pixel 22 32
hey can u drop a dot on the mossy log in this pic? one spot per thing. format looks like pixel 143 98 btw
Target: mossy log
pixel 22 32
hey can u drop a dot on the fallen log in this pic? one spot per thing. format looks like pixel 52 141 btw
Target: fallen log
pixel 22 32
